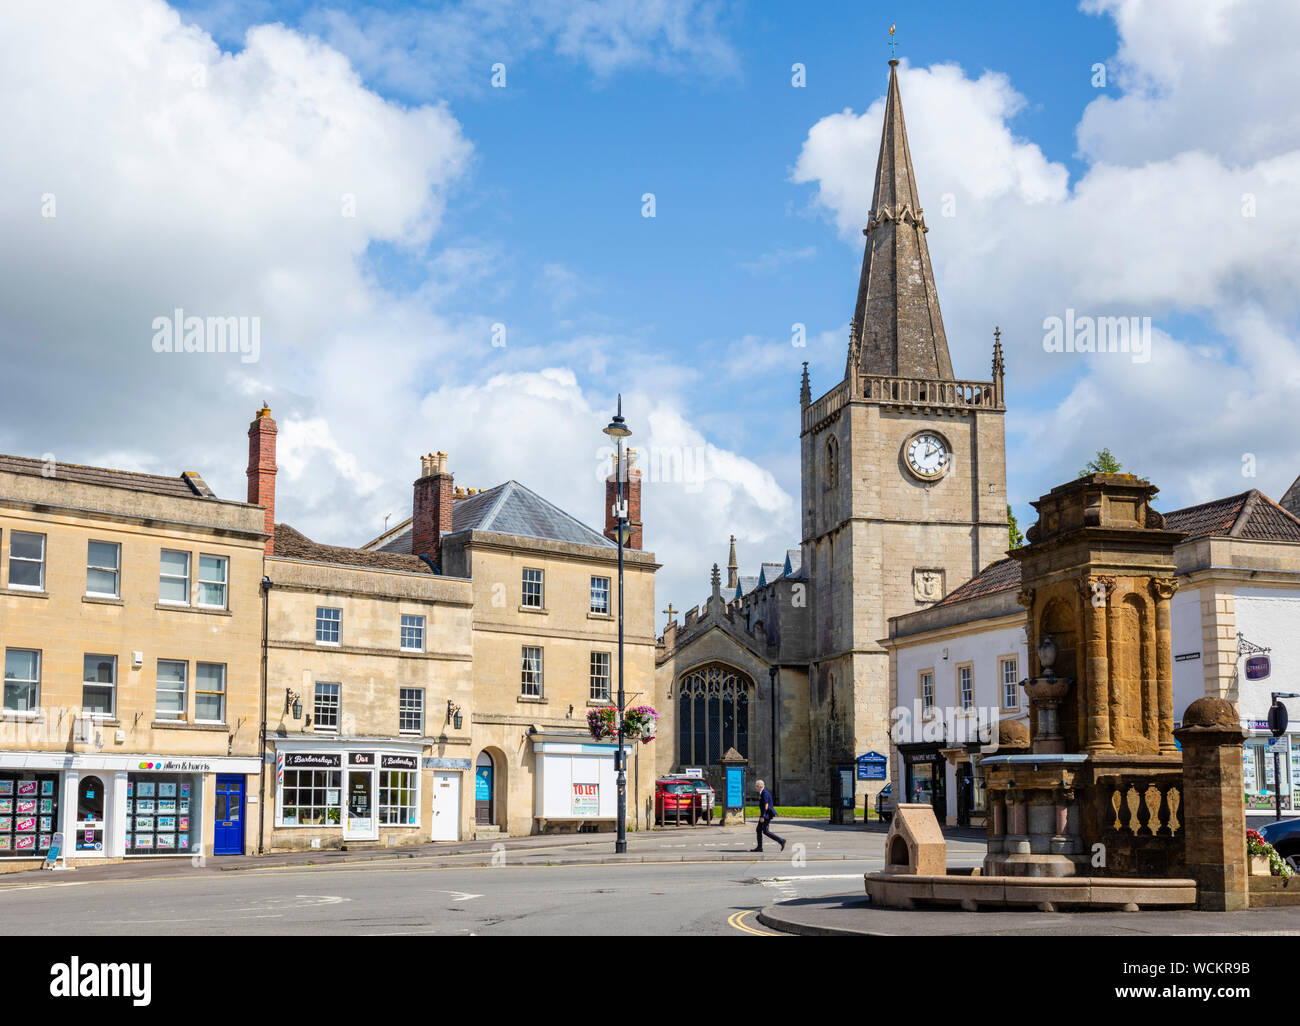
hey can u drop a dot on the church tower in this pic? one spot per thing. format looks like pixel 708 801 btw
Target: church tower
pixel 904 473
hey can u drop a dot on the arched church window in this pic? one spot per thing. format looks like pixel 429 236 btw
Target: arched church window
pixel 713 714
pixel 832 463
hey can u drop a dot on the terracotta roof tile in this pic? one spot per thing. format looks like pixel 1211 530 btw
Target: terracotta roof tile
pixel 999 576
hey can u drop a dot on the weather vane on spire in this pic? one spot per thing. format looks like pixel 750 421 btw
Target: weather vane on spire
pixel 893 43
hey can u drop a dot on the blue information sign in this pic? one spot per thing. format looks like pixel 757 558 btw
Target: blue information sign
pixel 872 766
pixel 735 787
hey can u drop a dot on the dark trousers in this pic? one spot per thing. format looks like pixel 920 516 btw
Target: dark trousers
pixel 763 828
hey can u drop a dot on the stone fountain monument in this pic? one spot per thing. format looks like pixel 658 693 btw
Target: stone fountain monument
pixel 1104 810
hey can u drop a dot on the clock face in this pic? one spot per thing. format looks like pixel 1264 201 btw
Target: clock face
pixel 927 455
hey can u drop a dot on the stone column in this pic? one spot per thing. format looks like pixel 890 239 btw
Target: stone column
pixel 1094 592
pixel 1213 814
pixel 1163 589
pixel 1150 678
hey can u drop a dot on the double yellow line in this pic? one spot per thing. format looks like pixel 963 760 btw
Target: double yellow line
pixel 737 919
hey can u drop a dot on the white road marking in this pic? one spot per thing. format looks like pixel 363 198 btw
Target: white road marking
pixel 42 886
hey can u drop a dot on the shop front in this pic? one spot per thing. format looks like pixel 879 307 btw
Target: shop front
pixel 925 771
pixel 118 806
pixel 576 783
pixel 330 794
pixel 1264 775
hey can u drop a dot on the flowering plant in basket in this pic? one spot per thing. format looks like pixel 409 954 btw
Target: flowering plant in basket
pixel 1256 845
pixel 602 722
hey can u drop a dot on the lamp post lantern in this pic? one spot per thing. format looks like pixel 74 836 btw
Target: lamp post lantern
pixel 618 430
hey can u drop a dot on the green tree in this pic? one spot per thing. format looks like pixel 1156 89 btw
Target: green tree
pixel 1013 529
pixel 1102 463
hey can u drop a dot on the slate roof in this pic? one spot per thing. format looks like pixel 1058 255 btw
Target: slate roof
pixel 509 508
pixel 184 486
pixel 770 572
pixel 293 544
pixel 1252 515
pixel 793 562
pixel 744 585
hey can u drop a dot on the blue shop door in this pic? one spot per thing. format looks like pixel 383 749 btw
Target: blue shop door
pixel 228 834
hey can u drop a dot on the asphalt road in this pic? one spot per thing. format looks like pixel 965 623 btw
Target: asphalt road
pixel 406 898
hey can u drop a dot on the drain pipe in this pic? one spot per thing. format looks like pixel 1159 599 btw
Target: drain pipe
pixel 261 747
pixel 772 675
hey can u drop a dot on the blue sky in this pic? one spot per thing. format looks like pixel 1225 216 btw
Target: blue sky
pixel 522 206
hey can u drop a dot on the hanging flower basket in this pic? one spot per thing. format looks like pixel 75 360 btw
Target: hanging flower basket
pixel 602 722
pixel 640 723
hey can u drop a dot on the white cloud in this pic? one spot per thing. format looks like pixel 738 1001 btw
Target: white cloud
pixel 187 177
pixel 1163 235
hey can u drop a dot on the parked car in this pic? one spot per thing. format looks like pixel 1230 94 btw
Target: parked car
pixel 674 796
pixel 1284 835
pixel 705 799
pixel 885 802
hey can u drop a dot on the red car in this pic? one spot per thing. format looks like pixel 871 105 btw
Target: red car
pixel 675 796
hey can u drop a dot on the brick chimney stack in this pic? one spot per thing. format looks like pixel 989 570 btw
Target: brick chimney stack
pixel 431 509
pixel 631 492
pixel 262 469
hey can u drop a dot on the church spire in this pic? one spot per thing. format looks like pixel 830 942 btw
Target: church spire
pixel 897 329
pixel 733 567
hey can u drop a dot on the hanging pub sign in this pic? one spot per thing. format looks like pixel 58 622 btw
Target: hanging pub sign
pixel 1258 667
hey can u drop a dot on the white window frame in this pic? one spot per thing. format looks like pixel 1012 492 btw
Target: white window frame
pixel 414 630
pixel 337 706
pixel 525 670
pixel 112 686
pixel 297 786
pixel 223 584
pixel 115 569
pixel 405 707
pixel 596 659
pixel 966 686
pixel 33 684
pixel 608 595
pixel 40 585
pixel 162 576
pixel 1010 688
pixel 158 713
pixel 526 583
pixel 335 621
pixel 204 691
pixel 410 788
pixel 925 682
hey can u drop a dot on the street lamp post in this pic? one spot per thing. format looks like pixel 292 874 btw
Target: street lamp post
pixel 618 430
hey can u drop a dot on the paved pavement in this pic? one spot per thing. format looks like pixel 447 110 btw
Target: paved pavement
pixel 852 915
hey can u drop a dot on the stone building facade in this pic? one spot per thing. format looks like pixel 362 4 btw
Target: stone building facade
pixel 130 624
pixel 903 496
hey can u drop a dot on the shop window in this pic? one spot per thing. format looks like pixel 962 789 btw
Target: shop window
pixel 99 685
pixel 103 562
pixel 328 700
pixel 174 578
pixel 26 560
pixel 310 797
pixel 29 813
pixel 172 690
pixel 22 680
pixel 162 811
pixel 398 805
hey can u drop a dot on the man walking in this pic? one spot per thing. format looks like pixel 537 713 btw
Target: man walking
pixel 766 813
